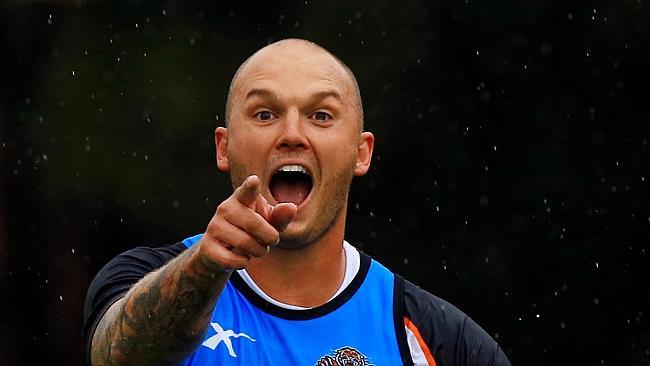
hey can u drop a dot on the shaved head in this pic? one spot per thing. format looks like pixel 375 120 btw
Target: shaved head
pixel 277 49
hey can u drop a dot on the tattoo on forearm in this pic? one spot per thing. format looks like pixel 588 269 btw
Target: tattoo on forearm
pixel 162 319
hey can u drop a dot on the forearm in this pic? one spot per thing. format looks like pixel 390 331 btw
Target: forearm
pixel 163 318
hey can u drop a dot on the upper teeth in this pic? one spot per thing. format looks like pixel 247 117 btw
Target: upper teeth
pixel 293 168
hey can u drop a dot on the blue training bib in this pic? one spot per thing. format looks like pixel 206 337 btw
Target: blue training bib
pixel 355 328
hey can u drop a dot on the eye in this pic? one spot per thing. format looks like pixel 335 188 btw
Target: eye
pixel 264 115
pixel 322 116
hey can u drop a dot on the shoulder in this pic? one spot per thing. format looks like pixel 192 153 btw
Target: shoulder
pixel 119 274
pixel 443 335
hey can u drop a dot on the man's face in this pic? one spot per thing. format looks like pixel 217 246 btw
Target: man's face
pixel 294 122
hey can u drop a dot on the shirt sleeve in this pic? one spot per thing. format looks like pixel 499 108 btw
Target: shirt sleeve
pixel 439 334
pixel 116 278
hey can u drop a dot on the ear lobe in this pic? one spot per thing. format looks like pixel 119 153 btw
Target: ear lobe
pixel 221 143
pixel 364 153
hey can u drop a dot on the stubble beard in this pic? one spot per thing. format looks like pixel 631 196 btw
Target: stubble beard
pixel 327 215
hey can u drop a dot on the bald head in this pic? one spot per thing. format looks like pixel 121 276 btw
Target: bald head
pixel 308 54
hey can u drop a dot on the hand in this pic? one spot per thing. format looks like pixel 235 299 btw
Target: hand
pixel 244 226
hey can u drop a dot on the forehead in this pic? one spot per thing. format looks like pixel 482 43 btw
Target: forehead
pixel 293 67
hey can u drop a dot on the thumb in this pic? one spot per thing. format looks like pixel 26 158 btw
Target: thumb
pixel 282 215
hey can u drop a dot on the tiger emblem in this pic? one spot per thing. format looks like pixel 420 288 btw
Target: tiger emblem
pixel 346 356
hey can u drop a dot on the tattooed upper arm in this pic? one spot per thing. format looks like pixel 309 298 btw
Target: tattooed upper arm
pixel 102 352
pixel 162 318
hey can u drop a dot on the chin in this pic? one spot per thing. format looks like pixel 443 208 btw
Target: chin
pixel 293 244
pixel 293 239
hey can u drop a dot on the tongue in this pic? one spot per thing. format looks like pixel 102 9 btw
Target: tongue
pixel 294 192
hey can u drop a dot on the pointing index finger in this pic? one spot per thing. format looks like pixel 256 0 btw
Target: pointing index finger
pixel 248 191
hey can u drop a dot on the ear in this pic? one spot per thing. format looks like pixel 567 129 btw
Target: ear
pixel 221 143
pixel 364 153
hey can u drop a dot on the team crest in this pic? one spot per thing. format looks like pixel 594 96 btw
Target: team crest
pixel 346 356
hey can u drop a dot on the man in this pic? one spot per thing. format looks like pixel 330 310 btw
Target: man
pixel 272 281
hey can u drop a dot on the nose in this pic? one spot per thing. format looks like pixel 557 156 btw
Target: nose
pixel 292 136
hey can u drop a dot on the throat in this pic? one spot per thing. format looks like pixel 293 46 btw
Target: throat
pixel 293 191
pixel 305 283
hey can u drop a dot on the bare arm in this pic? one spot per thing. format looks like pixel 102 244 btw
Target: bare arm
pixel 163 318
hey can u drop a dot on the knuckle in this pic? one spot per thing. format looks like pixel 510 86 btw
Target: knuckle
pixel 223 207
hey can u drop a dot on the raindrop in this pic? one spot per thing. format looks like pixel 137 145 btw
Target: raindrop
pixel 72 250
pixel 61 297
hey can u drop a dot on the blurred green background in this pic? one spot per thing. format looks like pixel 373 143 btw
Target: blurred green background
pixel 510 174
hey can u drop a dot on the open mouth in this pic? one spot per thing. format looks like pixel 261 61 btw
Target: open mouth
pixel 290 183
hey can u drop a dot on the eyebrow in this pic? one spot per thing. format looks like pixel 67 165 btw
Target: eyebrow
pixel 316 96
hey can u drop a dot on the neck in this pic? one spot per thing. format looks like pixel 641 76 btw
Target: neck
pixel 306 277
